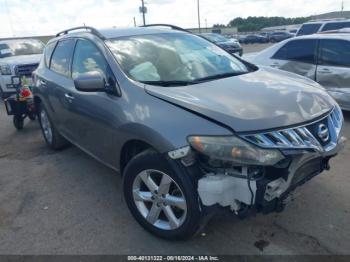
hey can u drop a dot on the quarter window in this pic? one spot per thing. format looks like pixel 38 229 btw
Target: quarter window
pixel 297 50
pixel 335 53
pixel 60 61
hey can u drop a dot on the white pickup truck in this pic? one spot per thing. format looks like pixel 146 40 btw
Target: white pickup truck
pixel 18 57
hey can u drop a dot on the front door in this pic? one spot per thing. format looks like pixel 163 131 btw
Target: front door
pixel 297 56
pixel 96 114
pixel 333 70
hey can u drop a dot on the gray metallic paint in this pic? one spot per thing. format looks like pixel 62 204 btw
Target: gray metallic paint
pixel 163 117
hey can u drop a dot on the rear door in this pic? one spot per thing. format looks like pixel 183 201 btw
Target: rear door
pixel 60 82
pixel 297 56
pixel 333 70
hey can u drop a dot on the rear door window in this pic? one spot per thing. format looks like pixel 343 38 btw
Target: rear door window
pixel 308 29
pixel 48 52
pixel 61 57
pixel 335 26
pixel 298 50
pixel 334 53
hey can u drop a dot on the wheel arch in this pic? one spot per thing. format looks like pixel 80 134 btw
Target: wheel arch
pixel 130 149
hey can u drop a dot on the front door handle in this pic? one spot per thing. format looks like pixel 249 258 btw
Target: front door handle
pixel 69 97
pixel 275 64
pixel 42 82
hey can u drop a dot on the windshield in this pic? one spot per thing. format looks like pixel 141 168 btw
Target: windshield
pixel 309 29
pixel 20 47
pixel 215 37
pixel 173 57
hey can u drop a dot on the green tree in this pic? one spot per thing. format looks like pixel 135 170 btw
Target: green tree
pixel 256 23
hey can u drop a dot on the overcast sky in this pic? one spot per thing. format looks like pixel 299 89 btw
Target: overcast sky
pixel 45 17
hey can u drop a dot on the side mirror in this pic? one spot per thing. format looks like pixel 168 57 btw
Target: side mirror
pixel 90 82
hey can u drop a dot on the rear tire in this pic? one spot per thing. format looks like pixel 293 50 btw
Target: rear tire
pixel 51 135
pixel 162 199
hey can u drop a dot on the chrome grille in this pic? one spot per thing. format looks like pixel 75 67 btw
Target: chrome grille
pixel 302 137
pixel 25 70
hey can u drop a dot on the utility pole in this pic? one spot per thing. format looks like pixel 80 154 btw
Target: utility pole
pixel 206 25
pixel 199 19
pixel 143 10
pixel 342 6
pixel 134 21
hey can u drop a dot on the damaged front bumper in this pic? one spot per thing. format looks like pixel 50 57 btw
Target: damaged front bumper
pixel 306 152
pixel 265 189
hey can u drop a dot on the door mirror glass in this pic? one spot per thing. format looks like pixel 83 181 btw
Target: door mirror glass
pixel 90 82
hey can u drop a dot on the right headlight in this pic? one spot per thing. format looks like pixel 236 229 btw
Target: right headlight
pixel 234 149
pixel 5 70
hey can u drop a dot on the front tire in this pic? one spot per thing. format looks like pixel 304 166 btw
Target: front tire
pixel 52 137
pixel 163 200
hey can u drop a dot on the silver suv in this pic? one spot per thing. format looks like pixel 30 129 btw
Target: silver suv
pixel 190 127
pixel 19 57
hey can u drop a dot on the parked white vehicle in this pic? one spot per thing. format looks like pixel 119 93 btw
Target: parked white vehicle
pixel 18 57
pixel 325 58
pixel 317 26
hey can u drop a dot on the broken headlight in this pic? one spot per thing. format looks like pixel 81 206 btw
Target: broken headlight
pixel 234 149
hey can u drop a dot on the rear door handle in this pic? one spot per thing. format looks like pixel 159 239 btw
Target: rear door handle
pixel 69 97
pixel 325 71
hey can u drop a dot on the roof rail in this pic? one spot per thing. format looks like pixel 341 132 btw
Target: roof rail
pixel 174 27
pixel 328 19
pixel 87 28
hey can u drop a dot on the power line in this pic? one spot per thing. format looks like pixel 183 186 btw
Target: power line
pixel 199 19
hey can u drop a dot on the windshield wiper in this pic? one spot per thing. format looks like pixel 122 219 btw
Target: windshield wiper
pixel 169 83
pixel 218 76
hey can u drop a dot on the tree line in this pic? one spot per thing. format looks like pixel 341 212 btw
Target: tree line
pixel 256 23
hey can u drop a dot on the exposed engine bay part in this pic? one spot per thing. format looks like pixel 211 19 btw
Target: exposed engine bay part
pixel 226 190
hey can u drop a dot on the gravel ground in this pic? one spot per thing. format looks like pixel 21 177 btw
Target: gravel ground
pixel 67 203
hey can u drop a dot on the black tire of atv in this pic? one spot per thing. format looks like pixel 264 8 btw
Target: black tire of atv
pixel 18 122
pixel 32 116
pixel 150 159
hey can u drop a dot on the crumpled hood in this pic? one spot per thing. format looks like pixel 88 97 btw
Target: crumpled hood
pixel 264 99
pixel 21 59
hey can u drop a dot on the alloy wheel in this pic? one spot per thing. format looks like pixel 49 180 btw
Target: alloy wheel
pixel 46 126
pixel 159 199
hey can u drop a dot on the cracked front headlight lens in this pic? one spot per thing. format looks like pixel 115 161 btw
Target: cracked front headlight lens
pixel 5 70
pixel 234 149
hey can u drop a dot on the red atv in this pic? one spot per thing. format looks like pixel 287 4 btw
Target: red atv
pixel 21 104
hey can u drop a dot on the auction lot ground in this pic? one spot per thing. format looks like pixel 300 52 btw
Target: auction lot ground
pixel 67 203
